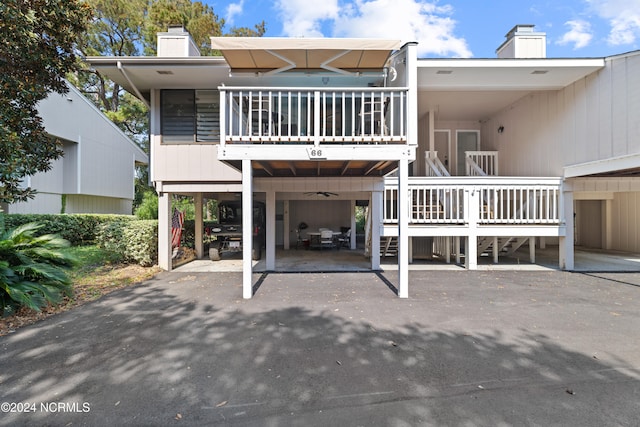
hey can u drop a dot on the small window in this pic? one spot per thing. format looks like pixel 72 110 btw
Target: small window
pixel 190 116
pixel 178 116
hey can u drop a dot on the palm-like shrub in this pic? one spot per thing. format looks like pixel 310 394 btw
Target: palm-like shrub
pixel 32 269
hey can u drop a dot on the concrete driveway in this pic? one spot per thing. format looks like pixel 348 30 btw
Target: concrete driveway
pixel 468 348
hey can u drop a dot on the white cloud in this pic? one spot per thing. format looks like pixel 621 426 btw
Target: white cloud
pixel 233 9
pixel 301 18
pixel 426 22
pixel 623 17
pixel 579 34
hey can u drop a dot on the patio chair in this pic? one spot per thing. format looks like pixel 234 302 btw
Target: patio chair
pixel 326 239
pixel 299 240
pixel 344 240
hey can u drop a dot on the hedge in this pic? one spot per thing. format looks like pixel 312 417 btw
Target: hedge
pixel 78 229
pixel 135 240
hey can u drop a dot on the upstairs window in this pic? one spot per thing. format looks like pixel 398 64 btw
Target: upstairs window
pixel 189 116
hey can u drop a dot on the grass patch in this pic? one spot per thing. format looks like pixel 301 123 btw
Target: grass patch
pixel 97 273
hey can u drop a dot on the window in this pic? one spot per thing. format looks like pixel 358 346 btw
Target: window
pixel 190 116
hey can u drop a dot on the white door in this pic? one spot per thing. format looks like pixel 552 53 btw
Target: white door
pixel 466 140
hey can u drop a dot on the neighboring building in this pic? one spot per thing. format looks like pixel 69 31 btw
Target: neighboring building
pixel 455 157
pixel 97 171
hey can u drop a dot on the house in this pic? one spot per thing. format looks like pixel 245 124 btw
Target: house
pixel 455 157
pixel 96 174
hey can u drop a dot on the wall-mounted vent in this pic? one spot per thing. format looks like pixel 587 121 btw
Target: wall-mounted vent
pixel 540 72
pixel 444 71
pixel 164 72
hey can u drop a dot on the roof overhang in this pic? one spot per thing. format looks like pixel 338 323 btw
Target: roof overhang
pixel 473 89
pixel 138 75
pixel 271 55
pixel 615 166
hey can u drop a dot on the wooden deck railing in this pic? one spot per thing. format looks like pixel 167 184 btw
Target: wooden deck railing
pixel 481 163
pixel 481 200
pixel 313 115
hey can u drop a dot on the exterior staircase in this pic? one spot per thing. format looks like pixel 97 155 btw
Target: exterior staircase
pixel 388 247
pixel 506 245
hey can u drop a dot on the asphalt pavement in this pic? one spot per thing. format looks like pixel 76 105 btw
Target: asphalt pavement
pixel 468 348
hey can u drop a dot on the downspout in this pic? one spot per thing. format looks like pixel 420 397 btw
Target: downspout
pixel 135 89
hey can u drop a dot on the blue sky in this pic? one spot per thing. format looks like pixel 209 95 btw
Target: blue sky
pixel 454 28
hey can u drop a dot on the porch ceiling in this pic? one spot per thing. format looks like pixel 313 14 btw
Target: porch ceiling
pixel 321 168
pixel 475 89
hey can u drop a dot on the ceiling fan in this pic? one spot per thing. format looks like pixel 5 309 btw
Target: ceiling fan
pixel 321 193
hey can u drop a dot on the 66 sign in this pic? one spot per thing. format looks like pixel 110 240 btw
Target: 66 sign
pixel 316 153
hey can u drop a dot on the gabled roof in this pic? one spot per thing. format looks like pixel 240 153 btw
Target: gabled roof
pixel 273 55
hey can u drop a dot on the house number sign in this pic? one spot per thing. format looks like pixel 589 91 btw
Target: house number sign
pixel 316 153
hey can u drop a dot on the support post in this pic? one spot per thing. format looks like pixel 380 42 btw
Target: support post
pixel 566 251
pixel 473 213
pixel 532 250
pixel 164 231
pixel 199 225
pixel 607 229
pixel 352 243
pixel 287 226
pixel 447 249
pixel 376 213
pixel 247 228
pixel 403 225
pixel 271 230
pixel 495 249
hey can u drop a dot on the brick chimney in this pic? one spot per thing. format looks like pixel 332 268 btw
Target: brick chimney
pixel 176 43
pixel 523 42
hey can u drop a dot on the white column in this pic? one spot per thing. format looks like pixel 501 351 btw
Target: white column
pixel 607 229
pixel 352 243
pixel 473 212
pixel 271 230
pixel 376 215
pixel 532 250
pixel 495 249
pixel 447 249
pixel 286 227
pixel 197 201
pixel 164 231
pixel 403 225
pixel 566 254
pixel 247 228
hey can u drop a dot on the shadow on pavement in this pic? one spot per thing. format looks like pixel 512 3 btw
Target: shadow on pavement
pixel 188 351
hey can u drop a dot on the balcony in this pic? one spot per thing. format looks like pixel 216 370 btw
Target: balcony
pixel 313 116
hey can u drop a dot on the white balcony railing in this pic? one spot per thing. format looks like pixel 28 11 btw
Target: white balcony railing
pixel 313 115
pixel 482 201
pixel 481 163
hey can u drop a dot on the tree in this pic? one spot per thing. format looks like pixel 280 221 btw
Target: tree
pixel 37 49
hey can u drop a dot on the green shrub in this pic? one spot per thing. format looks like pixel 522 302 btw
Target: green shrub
pixel 78 229
pixel 32 268
pixel 142 242
pixel 148 208
pixel 136 241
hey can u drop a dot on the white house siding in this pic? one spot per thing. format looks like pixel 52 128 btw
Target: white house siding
pixel 43 203
pixel 190 162
pixel 185 162
pixel 95 204
pixel 626 222
pixel 593 119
